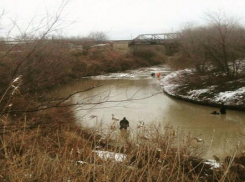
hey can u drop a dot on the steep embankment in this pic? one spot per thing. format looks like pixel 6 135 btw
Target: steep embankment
pixel 205 89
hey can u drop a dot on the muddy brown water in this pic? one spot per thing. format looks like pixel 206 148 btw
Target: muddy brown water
pixel 138 96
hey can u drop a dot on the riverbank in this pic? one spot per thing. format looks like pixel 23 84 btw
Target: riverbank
pixel 48 145
pixel 56 149
pixel 44 67
pixel 38 70
pixel 211 90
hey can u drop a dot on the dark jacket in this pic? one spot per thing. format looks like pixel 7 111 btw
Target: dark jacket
pixel 223 109
pixel 124 123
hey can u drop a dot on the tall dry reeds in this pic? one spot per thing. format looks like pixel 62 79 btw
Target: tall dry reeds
pixel 49 146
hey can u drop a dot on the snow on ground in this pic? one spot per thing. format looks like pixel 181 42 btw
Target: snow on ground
pixel 228 97
pixel 168 84
pixel 171 88
pixel 196 93
pixel 172 84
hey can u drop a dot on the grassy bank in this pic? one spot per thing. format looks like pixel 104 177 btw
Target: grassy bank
pixel 49 146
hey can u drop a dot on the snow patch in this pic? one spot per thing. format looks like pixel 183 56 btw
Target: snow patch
pixel 171 88
pixel 172 84
pixel 198 92
pixel 168 84
pixel 229 96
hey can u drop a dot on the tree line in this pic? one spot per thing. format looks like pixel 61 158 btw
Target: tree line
pixel 217 46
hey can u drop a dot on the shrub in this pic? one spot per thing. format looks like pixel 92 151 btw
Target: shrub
pixel 152 54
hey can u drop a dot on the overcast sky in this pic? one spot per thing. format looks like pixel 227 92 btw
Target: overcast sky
pixel 120 19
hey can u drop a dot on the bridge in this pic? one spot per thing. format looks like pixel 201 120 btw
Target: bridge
pixel 169 40
pixel 162 38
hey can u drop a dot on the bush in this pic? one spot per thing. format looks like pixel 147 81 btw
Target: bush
pixel 45 64
pixel 152 54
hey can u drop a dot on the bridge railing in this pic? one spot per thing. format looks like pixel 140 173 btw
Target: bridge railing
pixel 162 38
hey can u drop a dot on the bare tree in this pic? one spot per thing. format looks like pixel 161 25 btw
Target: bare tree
pixel 98 36
pixel 34 57
pixel 192 49
pixel 219 43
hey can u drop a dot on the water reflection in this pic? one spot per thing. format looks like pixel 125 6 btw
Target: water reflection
pixel 222 132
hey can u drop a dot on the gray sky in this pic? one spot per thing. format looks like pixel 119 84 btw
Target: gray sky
pixel 120 19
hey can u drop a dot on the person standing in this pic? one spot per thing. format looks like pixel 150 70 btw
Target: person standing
pixel 223 109
pixel 124 124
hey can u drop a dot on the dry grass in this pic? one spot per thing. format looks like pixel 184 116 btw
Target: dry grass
pixel 121 47
pixel 44 64
pixel 46 146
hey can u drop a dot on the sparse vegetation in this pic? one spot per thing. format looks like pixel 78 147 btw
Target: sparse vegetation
pixel 41 141
pixel 49 146
pixel 39 137
pixel 214 53
pixel 217 46
pixel 151 54
pixel 47 63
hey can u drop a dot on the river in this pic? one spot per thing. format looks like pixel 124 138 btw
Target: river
pixel 138 96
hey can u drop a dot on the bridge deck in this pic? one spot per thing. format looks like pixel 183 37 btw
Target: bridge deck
pixel 162 38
